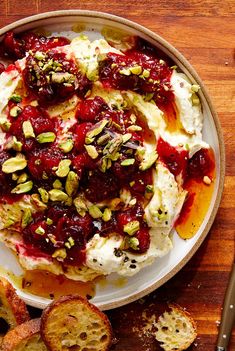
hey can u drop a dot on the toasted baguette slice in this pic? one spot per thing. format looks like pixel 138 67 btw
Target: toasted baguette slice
pixel 72 323
pixel 24 337
pixel 176 330
pixel 13 310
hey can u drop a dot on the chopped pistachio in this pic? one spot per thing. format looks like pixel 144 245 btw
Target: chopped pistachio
pixel 146 73
pixel 71 184
pixel 195 100
pixel 133 243
pixel 128 162
pixel 195 88
pixel 132 227
pixel 14 164
pixel 149 188
pixel 39 55
pixel 57 195
pixel 148 160
pixel 44 175
pixel 125 243
pixel 62 77
pixel 44 195
pixel 37 202
pixel 80 205
pixel 134 128
pixel 97 129
pixel 132 183
pixel 125 71
pixel 15 111
pixel 15 98
pixel 92 152
pixel 107 215
pixel 47 137
pixel 126 137
pixel 28 130
pixel 5 125
pixel 26 218
pixel 16 145
pixel 95 212
pixel 63 168
pixel 49 221
pixel 40 230
pixel 9 222
pixel 69 201
pixel 103 139
pixel 23 188
pixel 14 176
pixel 60 254
pixel 132 202
pixel 66 146
pixel 136 70
pixel 103 165
pixel 71 241
pixel 22 178
pixel 57 184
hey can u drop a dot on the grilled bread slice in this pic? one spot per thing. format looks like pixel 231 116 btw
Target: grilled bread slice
pixel 13 310
pixel 72 323
pixel 176 330
pixel 24 337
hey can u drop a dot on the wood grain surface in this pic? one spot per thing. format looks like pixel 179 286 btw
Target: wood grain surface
pixel 204 32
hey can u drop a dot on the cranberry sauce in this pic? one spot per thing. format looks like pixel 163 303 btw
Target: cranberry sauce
pixel 15 46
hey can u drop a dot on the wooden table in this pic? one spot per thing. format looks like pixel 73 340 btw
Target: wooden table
pixel 204 32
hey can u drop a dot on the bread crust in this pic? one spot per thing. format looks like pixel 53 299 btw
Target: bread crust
pixel 76 301
pixel 20 334
pixel 13 309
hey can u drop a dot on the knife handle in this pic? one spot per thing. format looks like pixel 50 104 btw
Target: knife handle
pixel 228 315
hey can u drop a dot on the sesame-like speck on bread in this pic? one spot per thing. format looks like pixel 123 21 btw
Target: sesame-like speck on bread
pixel 13 310
pixel 24 337
pixel 72 323
pixel 176 329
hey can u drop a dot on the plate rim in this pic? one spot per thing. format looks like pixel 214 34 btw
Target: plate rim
pixel 157 38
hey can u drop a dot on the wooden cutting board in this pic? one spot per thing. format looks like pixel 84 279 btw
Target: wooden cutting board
pixel 204 32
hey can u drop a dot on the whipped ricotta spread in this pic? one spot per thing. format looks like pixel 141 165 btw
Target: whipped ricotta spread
pixel 93 165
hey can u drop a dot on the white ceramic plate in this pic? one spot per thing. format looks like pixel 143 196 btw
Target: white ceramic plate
pixel 111 295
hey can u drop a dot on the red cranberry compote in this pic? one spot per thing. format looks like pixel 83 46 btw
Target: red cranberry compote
pixel 15 46
pixel 53 78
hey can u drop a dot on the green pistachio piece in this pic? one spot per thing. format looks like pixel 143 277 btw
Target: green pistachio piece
pixel 62 77
pixel 103 165
pixel 44 175
pixel 92 152
pixel 95 212
pixel 63 168
pixel 107 215
pixel 57 195
pixel 136 70
pixel 40 230
pixel 22 178
pixel 148 160
pixel 134 128
pixel 39 55
pixel 26 218
pixel 23 188
pixel 44 195
pixel 149 188
pixel 28 130
pixel 16 145
pixel 47 137
pixel 15 111
pixel 80 205
pixel 126 137
pixel 14 164
pixel 69 201
pixel 132 183
pixel 125 71
pixel 133 243
pixel 146 73
pixel 57 184
pixel 35 199
pixel 14 176
pixel 66 146
pixel 128 162
pixel 60 254
pixel 195 100
pixel 195 88
pixel 103 139
pixel 49 221
pixel 71 184
pixel 9 222
pixel 132 227
pixel 5 125
pixel 15 98
pixel 97 129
